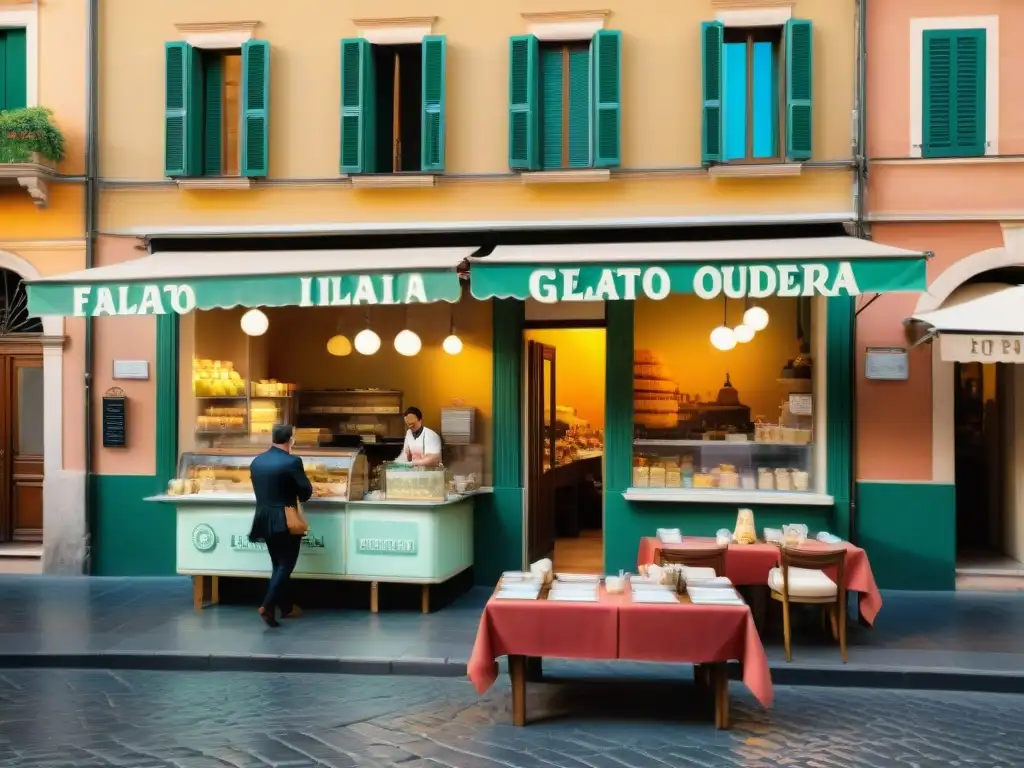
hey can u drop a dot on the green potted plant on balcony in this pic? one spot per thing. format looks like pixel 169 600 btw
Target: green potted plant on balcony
pixel 29 136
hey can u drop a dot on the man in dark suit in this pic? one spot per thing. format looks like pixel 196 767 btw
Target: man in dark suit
pixel 279 481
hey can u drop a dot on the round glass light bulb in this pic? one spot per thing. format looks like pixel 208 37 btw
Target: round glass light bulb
pixel 452 345
pixel 367 342
pixel 339 346
pixel 756 318
pixel 743 333
pixel 408 343
pixel 723 338
pixel 255 323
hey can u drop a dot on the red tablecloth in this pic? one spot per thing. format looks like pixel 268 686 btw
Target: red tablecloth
pixel 748 565
pixel 616 628
pixel 696 634
pixel 543 629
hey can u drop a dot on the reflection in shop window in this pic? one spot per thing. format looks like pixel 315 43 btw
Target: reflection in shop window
pixel 734 420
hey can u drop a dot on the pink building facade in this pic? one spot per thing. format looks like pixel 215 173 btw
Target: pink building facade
pixel 939 490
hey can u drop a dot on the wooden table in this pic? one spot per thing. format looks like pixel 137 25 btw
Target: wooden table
pixel 617 628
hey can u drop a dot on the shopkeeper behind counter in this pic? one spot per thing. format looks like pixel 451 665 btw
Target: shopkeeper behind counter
pixel 422 447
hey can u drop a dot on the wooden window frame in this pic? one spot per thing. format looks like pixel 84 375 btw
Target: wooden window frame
pixel 749 36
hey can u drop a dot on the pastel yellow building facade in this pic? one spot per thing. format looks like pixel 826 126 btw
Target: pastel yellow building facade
pixel 42 232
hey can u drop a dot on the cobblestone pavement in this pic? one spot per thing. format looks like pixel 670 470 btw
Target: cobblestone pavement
pixel 136 719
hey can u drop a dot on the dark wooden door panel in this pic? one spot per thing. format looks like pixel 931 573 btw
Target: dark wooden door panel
pixel 21 447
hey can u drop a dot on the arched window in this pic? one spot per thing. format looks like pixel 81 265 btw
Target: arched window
pixel 14 316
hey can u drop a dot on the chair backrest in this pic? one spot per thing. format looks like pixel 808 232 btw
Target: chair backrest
pixel 698 557
pixel 815 559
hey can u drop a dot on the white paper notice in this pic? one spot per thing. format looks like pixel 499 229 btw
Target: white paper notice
pixel 800 405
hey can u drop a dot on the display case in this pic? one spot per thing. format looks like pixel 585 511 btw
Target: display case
pixel 335 475
pixel 731 464
pixel 403 482
pixel 464 467
pixel 367 413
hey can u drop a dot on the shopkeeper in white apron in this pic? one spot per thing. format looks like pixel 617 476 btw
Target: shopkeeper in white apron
pixel 422 446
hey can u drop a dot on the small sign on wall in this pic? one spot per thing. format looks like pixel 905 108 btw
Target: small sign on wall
pixel 131 369
pixel 886 364
pixel 115 418
pixel 800 405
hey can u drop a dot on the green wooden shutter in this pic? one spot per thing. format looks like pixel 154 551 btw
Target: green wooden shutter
pixel 523 107
pixel 358 112
pixel 179 154
pixel 607 47
pixel 953 102
pixel 799 60
pixel 213 112
pixel 254 134
pixel 552 99
pixel 432 127
pixel 711 139
pixel 15 70
pixel 579 123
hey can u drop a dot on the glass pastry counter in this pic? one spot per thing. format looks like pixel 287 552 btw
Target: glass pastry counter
pixel 223 474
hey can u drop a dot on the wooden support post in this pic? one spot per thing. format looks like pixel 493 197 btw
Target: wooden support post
pixel 517 671
pixel 374 591
pixel 720 674
pixel 425 599
pixel 205 591
pixel 197 592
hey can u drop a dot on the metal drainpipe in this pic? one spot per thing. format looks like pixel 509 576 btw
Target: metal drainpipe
pixel 91 191
pixel 860 156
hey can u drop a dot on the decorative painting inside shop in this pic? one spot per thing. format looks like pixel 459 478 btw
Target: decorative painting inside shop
pixel 711 375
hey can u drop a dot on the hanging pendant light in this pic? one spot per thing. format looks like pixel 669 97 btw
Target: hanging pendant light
pixel 366 341
pixel 255 323
pixel 407 342
pixel 756 318
pixel 452 343
pixel 339 345
pixel 723 337
pixel 743 333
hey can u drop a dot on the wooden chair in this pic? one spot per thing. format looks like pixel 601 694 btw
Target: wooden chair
pixel 698 558
pixel 801 578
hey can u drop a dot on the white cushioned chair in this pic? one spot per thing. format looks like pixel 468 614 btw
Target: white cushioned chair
pixel 801 578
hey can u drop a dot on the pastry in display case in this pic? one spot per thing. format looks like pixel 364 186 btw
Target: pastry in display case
pixel 264 413
pixel 464 465
pixel 337 475
pixel 655 394
pixel 404 482
pixel 574 437
pixel 709 464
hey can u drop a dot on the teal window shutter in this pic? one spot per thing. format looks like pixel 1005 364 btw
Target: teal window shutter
pixel 178 116
pixel 552 99
pixel 14 63
pixel 523 107
pixel 432 127
pixel 579 123
pixel 213 113
pixel 799 60
pixel 953 102
pixel 358 114
pixel 254 137
pixel 607 58
pixel 711 132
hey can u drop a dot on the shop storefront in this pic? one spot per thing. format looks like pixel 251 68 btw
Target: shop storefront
pixel 724 370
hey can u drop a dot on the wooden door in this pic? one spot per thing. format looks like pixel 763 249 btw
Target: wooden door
pixel 21 447
pixel 541 457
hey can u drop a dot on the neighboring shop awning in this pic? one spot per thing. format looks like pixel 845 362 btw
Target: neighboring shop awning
pixel 183 281
pixel 829 266
pixel 983 322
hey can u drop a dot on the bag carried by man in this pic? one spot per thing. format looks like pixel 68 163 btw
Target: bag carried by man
pixel 296 521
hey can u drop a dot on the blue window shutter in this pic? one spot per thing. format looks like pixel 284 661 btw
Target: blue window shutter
pixel 181 145
pixel 432 121
pixel 799 63
pixel 523 104
pixel 579 87
pixel 14 63
pixel 213 112
pixel 712 33
pixel 607 66
pixel 357 106
pixel 254 136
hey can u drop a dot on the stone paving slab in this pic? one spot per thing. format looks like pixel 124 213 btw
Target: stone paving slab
pixel 135 719
pixel 954 641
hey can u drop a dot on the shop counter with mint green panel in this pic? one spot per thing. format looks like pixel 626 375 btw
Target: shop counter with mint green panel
pixel 409 542
pixel 908 530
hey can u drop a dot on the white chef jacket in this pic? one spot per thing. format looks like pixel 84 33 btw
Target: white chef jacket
pixel 427 444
